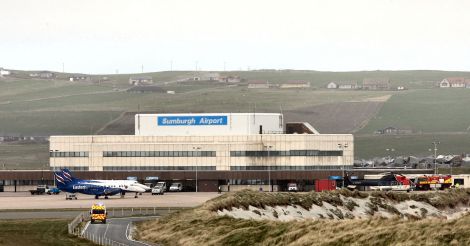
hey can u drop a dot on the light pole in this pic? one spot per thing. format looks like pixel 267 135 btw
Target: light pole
pixel 342 147
pixel 435 143
pixel 198 149
pixel 268 147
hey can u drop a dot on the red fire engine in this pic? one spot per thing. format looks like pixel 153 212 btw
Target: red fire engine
pixel 433 182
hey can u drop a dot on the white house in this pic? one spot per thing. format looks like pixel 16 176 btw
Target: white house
pixel 343 85
pixel 454 82
pixel 332 85
pixel 4 72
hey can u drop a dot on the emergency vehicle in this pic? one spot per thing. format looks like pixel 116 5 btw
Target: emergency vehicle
pixel 98 212
pixel 440 182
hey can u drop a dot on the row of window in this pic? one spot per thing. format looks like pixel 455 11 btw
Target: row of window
pixel 159 154
pixel 286 168
pixel 247 153
pixel 265 153
pixel 68 154
pixel 71 168
pixel 158 168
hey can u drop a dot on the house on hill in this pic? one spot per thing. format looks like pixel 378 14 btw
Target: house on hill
pixel 43 75
pixel 343 85
pixel 258 84
pixel 376 84
pixel 230 79
pixel 455 82
pixel 393 131
pixel 141 80
pixel 4 72
pixel 295 84
pixel 80 78
pixel 206 77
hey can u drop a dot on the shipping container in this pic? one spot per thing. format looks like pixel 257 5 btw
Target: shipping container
pixel 324 184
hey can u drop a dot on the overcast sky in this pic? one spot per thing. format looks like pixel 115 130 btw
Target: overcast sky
pixel 103 36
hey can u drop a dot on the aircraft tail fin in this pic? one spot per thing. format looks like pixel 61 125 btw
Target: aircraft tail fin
pixel 60 180
pixel 67 175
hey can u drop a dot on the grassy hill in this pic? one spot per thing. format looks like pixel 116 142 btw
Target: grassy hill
pixel 32 107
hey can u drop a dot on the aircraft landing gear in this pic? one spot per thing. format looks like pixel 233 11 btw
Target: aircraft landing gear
pixel 136 195
pixel 123 194
pixel 105 197
pixel 97 197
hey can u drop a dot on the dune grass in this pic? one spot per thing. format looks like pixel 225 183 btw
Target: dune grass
pixel 202 226
pixel 37 232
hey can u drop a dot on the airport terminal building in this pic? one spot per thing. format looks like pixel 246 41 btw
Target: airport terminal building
pixel 217 149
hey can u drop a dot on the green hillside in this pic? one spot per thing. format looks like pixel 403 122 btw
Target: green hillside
pixel 437 110
pixel 35 107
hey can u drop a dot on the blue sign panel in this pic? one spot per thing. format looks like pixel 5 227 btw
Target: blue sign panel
pixel 192 120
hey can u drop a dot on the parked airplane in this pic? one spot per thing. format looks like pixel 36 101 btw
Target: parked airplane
pixel 67 182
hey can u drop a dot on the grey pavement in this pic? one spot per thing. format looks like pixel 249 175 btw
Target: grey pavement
pixel 115 232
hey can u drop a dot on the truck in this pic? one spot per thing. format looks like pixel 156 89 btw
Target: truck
pixel 98 213
pixel 159 188
pixel 426 182
pixel 40 190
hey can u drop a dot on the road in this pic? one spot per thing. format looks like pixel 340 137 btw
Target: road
pixel 115 231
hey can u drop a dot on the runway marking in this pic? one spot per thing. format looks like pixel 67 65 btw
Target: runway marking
pixel 107 226
pixel 127 235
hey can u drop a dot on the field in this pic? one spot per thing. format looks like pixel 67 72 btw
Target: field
pixel 30 107
pixel 37 232
pixel 428 111
pixel 24 156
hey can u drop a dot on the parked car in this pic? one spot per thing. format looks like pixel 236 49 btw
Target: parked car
pixel 292 187
pixel 159 188
pixel 176 187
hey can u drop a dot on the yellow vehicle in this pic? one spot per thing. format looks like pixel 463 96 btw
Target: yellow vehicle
pixel 98 212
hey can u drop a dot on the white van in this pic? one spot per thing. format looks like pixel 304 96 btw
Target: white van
pixel 159 188
pixel 176 187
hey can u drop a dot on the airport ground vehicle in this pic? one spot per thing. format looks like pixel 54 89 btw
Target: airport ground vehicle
pixel 53 191
pixel 440 182
pixel 40 190
pixel 98 212
pixel 70 196
pixel 176 187
pixel 292 187
pixel 159 188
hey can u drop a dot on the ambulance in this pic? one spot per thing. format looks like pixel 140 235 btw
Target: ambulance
pixel 98 212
